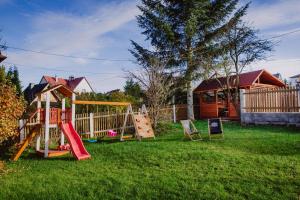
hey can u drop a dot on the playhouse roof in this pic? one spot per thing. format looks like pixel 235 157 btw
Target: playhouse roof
pixel 246 79
pixel 64 90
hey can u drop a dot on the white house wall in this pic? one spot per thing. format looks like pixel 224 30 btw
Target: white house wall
pixel 83 87
pixel 294 81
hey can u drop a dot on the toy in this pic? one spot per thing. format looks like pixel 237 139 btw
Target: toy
pixel 111 133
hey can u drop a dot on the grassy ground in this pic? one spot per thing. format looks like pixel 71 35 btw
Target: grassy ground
pixel 251 163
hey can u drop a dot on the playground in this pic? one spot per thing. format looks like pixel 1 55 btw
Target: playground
pixel 253 162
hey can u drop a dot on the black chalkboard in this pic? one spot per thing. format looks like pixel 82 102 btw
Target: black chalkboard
pixel 215 126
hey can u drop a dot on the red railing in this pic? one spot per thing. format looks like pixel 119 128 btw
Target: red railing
pixel 56 115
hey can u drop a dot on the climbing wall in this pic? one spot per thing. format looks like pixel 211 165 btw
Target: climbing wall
pixel 143 126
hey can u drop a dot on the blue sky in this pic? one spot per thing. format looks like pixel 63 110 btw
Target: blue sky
pixel 103 29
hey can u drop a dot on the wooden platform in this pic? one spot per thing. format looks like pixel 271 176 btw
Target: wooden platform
pixel 53 153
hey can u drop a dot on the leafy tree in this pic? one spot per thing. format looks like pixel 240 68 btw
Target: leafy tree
pixel 186 31
pixel 153 79
pixel 133 89
pixel 244 48
pixel 12 108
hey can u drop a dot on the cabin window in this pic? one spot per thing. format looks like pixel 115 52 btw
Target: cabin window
pixel 208 97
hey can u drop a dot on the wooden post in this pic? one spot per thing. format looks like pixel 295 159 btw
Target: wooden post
pixel 91 125
pixel 22 133
pixel 47 124
pixel 73 109
pixel 38 138
pixel 174 109
pixel 242 101
pixel 216 102
pixel 128 112
pixel 63 118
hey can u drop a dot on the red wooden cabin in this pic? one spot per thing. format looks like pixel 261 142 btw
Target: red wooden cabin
pixel 211 93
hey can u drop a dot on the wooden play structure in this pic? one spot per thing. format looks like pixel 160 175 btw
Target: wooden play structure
pixel 64 119
pixel 190 131
pixel 141 120
pixel 48 118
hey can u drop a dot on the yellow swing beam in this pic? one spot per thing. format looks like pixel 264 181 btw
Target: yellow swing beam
pixel 109 103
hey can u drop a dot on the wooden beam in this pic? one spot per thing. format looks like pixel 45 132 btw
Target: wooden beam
pixel 78 102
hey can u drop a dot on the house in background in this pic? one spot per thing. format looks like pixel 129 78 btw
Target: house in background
pixel 212 99
pixel 295 80
pixel 30 93
pixel 78 85
pixel 278 75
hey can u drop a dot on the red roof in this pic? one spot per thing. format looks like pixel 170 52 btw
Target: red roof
pixel 246 79
pixel 70 83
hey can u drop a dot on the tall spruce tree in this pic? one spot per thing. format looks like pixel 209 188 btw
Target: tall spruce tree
pixel 2 75
pixel 13 78
pixel 185 31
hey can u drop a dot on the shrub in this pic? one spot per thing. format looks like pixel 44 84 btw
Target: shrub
pixel 11 108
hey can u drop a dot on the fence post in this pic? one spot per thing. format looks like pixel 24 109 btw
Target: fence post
pixel 22 133
pixel 298 98
pixel 174 113
pixel 174 109
pixel 63 118
pixel 242 101
pixel 91 125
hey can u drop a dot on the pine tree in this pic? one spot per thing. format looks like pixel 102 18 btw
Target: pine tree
pixel 16 81
pixel 133 89
pixel 2 75
pixel 12 77
pixel 185 31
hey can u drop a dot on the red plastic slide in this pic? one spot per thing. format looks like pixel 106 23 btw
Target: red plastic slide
pixel 76 144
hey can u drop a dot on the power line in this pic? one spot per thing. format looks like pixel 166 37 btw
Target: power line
pixel 61 70
pixel 65 56
pixel 105 59
pixel 284 34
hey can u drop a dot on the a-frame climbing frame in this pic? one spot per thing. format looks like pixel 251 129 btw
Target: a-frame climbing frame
pixel 141 121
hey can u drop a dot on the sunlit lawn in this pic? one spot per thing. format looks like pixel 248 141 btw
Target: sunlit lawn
pixel 260 162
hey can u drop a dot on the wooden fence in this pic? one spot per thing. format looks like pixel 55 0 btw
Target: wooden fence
pixel 272 100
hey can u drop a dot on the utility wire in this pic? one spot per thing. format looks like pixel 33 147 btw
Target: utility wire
pixel 63 55
pixel 284 34
pixel 61 70
pixel 105 59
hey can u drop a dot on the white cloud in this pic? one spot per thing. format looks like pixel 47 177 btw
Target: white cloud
pixel 275 14
pixel 70 34
pixel 287 67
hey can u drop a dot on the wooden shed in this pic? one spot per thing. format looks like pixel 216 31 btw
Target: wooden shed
pixel 212 98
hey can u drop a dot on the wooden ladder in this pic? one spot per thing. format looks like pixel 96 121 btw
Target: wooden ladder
pixel 33 132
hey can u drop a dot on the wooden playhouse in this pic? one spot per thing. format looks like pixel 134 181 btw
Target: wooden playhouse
pixel 212 101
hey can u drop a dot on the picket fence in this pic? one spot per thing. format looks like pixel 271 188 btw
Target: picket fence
pixel 272 100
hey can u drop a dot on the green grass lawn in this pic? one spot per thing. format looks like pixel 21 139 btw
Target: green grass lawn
pixel 260 162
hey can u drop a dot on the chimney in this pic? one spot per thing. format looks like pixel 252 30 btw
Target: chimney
pixel 31 85
pixel 56 79
pixel 71 78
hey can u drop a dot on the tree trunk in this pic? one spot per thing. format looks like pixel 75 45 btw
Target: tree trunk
pixel 190 104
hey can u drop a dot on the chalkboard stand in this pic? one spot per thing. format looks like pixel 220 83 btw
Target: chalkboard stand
pixel 215 128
